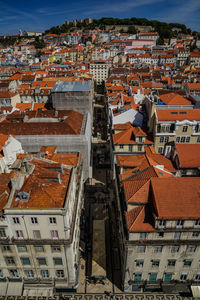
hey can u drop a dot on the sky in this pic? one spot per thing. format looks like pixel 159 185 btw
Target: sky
pixel 40 15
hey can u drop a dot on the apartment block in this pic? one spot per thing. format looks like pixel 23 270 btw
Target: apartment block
pixel 99 70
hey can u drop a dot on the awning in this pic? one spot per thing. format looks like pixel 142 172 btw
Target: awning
pixel 3 288
pixel 14 288
pixel 195 291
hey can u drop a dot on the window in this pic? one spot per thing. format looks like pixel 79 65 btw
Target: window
pixel 52 220
pixel 185 128
pixel 29 273
pixel 195 234
pixel 177 235
pixel 139 148
pixel 191 248
pixel 55 249
pixel 179 223
pixel 139 262
pixel 1 274
pixel 41 260
pixel 178 139
pixel 161 234
pixel 141 249
pixel 174 249
pixel 183 276
pixel 140 139
pixel 19 234
pixel 157 249
pixel 161 139
pixel 16 220
pixel 10 260
pixel 137 276
pixel 198 139
pixel 187 139
pixel 54 234
pixel 160 150
pixel 57 261
pixel 187 262
pixel 22 248
pixel 166 139
pixel 45 273
pixel 25 260
pixel 60 273
pixel 143 235
pixel 171 262
pixel 2 233
pixel 36 234
pixel 39 248
pixel 197 223
pixel 161 223
pixel 152 276
pixel 155 263
pixel 121 146
pixel 197 276
pixel 130 148
pixel 5 248
pixel 183 139
pixel 167 277
pixel 14 273
pixel 34 220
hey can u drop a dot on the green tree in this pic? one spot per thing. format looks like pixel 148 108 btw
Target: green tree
pixel 132 30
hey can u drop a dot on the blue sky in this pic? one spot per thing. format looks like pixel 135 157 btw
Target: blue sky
pixel 42 14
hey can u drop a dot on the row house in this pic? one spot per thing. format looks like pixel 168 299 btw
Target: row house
pixel 39 230
pixel 175 126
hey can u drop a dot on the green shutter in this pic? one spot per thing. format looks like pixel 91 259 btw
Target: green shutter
pixel 167 276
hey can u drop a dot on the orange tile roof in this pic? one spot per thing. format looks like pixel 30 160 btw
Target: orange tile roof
pixel 44 191
pixel 3 140
pixel 68 159
pixel 178 115
pixel 128 136
pixel 176 198
pixel 139 220
pixel 188 155
pixel 174 99
pixel 48 149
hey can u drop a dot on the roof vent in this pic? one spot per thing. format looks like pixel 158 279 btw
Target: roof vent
pixel 23 196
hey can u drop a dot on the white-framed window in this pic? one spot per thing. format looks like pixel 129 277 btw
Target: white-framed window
pixel 39 248
pixel 195 234
pixel 160 150
pixel 178 139
pixel 5 248
pixel 183 139
pixel 187 139
pixel 36 234
pixel 139 148
pixel 16 220
pixel 197 223
pixel 54 234
pixel 179 223
pixel 191 248
pixel 177 235
pixel 183 276
pixel 10 260
pixel 141 249
pixel 14 273
pixel 171 262
pixel 185 128
pixel 155 262
pixel 57 261
pixel 45 273
pixel 60 273
pixel 139 262
pixel 25 260
pixel 34 220
pixel 2 233
pixel 55 248
pixel 29 273
pixel 22 248
pixel 175 249
pixel 143 235
pixel 161 223
pixel 187 262
pixel 157 249
pixel 41 261
pixel 52 220
pixel 197 276
pixel 19 234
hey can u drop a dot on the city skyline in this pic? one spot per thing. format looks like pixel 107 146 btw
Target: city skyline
pixel 39 16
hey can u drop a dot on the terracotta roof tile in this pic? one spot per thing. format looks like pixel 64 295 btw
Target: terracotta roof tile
pixel 178 114
pixel 188 155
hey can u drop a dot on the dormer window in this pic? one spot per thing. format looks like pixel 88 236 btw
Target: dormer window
pixel 179 223
pixel 140 139
pixel 185 128
pixel 161 223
